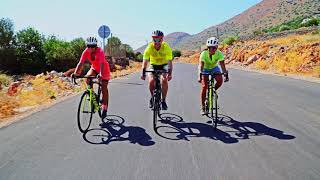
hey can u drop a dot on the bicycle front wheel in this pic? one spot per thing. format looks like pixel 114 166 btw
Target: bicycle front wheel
pixel 156 109
pixel 215 109
pixel 85 111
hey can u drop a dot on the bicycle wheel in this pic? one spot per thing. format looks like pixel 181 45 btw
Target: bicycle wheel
pixel 215 118
pixel 98 102
pixel 85 111
pixel 156 109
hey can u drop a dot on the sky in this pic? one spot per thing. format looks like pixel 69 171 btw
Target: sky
pixel 130 20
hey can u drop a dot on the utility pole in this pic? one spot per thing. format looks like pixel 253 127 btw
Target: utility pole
pixel 217 32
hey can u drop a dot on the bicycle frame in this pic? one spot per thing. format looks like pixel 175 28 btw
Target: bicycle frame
pixel 212 93
pixel 156 97
pixel 94 97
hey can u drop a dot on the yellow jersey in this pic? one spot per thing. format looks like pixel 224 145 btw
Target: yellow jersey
pixel 160 57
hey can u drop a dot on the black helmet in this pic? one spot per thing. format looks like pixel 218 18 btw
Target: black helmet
pixel 157 33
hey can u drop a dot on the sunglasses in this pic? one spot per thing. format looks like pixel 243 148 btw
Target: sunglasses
pixel 157 40
pixel 91 46
pixel 213 47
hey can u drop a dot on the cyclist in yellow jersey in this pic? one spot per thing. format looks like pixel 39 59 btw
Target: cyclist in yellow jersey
pixel 159 55
pixel 209 61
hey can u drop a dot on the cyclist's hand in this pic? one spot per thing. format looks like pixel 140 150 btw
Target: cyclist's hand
pixel 73 76
pixel 226 77
pixel 199 79
pixel 143 75
pixel 98 76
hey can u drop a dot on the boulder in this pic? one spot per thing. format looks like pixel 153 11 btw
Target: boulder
pixel 13 88
pixel 252 59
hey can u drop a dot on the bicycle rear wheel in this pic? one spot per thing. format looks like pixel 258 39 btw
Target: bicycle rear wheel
pixel 85 111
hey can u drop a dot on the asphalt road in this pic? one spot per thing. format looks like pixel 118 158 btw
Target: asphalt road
pixel 270 130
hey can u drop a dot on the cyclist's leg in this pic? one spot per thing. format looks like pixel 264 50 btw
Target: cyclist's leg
pixel 218 78
pixel 91 72
pixel 164 82
pixel 204 87
pixel 104 89
pixel 151 80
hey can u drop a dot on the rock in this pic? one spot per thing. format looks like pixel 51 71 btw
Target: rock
pixel 252 59
pixel 40 75
pixel 17 78
pixel 54 72
pixel 24 109
pixel 13 88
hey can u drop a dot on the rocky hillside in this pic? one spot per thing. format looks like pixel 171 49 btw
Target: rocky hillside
pixel 263 15
pixel 293 54
pixel 266 14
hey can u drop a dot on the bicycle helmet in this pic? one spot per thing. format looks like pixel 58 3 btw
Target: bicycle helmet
pixel 91 42
pixel 157 33
pixel 212 41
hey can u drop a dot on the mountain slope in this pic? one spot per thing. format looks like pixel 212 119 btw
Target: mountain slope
pixel 263 15
pixel 172 39
pixel 266 14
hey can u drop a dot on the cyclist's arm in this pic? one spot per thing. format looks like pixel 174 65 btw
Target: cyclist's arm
pixel 145 64
pixel 200 67
pixel 221 62
pixel 223 66
pixel 102 59
pixel 146 57
pixel 170 67
pixel 79 68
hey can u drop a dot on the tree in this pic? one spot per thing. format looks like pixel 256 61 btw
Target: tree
pixel 8 59
pixel 113 47
pixel 6 33
pixel 60 55
pixel 78 45
pixel 129 51
pixel 176 53
pixel 30 52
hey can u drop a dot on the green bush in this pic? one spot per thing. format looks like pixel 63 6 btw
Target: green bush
pixel 176 53
pixel 230 40
pixel 257 32
pixel 140 57
pixel 59 55
pixel 311 22
pixel 5 79
pixel 284 28
pixel 293 24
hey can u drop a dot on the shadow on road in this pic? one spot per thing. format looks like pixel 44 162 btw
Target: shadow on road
pixel 246 129
pixel 173 127
pixel 127 83
pixel 113 129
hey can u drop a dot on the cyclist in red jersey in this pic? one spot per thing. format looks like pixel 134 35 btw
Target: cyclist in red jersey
pixel 99 66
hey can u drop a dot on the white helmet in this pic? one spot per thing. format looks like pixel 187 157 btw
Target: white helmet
pixel 91 41
pixel 212 41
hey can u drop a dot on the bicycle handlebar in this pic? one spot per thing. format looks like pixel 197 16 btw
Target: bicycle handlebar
pixel 226 74
pixel 156 71
pixel 213 74
pixel 78 77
